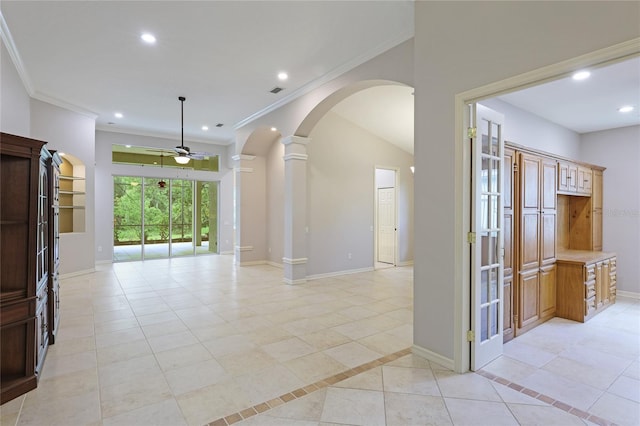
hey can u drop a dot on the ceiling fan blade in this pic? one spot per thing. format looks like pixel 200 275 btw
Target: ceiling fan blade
pixel 181 150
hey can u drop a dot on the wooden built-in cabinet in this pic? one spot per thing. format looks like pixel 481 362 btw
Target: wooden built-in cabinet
pixel 588 283
pixel 509 194
pixel 552 206
pixel 574 179
pixel 25 233
pixel 537 240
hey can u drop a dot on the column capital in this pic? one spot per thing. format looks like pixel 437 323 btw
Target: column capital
pixel 295 139
pixel 240 157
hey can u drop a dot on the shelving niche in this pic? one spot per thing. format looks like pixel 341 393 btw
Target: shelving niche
pixel 72 195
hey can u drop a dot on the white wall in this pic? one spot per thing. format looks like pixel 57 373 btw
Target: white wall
pixel 341 193
pixel 105 171
pixel 526 129
pixel 275 203
pixel 619 151
pixel 15 109
pixel 456 51
pixel 73 133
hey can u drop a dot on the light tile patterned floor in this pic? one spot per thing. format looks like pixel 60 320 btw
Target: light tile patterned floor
pixel 198 340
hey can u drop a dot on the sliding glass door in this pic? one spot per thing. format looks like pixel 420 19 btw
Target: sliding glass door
pixel 154 218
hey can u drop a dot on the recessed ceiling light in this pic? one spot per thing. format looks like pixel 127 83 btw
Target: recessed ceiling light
pixel 127 146
pixel 118 115
pixel 581 75
pixel 626 108
pixel 148 38
pixel 205 128
pixel 273 129
pixel 283 76
pixel 61 154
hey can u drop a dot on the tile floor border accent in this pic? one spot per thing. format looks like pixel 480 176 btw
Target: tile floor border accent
pixel 546 399
pixel 299 393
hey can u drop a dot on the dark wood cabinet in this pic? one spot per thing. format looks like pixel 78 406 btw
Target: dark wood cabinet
pixel 53 171
pixel 26 229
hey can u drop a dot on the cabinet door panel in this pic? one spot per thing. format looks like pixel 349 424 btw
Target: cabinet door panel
pixel 548 291
pixel 528 293
pixel 548 242
pixel 530 172
pixel 530 241
pixel 548 184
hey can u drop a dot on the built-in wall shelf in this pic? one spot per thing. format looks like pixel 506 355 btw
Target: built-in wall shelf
pixel 72 195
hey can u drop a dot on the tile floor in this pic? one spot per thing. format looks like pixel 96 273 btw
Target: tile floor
pixel 197 340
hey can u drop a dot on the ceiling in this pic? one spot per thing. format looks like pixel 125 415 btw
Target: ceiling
pixel 224 57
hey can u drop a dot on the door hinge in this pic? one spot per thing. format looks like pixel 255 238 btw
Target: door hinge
pixel 471 237
pixel 471 336
pixel 471 132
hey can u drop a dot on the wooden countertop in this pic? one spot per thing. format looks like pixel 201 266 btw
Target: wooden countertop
pixel 582 256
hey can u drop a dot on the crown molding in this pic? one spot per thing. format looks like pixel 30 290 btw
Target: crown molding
pixel 65 105
pixel 331 75
pixel 5 34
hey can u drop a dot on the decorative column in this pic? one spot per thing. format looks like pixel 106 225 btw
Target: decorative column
pixel 295 209
pixel 242 207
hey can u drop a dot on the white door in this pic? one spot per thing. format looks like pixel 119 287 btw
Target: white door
pixel 487 239
pixel 386 225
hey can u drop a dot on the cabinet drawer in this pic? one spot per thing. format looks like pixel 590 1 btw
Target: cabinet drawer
pixel 589 273
pixel 589 306
pixel 589 289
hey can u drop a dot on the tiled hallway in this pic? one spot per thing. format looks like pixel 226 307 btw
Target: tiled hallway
pixel 197 340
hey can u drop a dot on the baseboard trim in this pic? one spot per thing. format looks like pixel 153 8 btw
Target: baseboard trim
pixel 406 263
pixel 253 263
pixel 227 252
pixel 275 264
pixel 629 294
pixel 432 356
pixel 293 282
pixel 338 273
pixel 77 273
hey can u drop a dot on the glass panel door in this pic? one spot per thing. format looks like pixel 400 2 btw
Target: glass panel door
pixel 156 219
pixel 182 217
pixel 127 218
pixel 487 253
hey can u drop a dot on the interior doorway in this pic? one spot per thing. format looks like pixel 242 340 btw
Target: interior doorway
pixel 385 218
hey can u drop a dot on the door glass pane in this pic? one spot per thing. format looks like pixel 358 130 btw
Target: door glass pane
pixel 484 175
pixel 495 141
pixel 494 176
pixel 156 219
pixel 206 217
pixel 182 217
pixel 484 133
pixel 127 218
pixel 484 323
pixel 493 212
pixel 494 319
pixel 493 287
pixel 484 281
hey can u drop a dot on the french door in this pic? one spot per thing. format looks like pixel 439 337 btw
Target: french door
pixel 486 238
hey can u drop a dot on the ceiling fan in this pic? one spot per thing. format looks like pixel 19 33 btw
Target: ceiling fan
pixel 183 153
